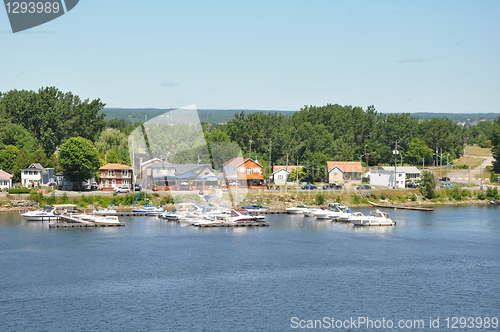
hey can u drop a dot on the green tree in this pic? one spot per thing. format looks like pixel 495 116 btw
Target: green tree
pixel 418 151
pixel 79 159
pixel 427 185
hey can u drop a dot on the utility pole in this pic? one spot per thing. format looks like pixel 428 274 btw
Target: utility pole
pixel 270 165
pixel 286 174
pixel 395 153
pixel 468 145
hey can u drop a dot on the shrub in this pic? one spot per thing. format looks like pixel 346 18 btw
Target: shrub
pixel 481 195
pixel 373 195
pixel 320 199
pixel 383 196
pixel 19 191
pixel 413 197
pixel 356 199
pixel 492 193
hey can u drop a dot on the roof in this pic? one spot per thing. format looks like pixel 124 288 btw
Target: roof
pixel 277 168
pixel 237 161
pixel 403 169
pixel 345 166
pixel 116 166
pixel 34 166
pixel 180 168
pixel 5 176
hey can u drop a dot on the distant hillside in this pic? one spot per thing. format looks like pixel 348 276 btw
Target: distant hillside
pixel 208 116
pixel 223 116
pixel 461 118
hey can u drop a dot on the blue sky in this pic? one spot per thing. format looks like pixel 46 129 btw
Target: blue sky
pixel 401 56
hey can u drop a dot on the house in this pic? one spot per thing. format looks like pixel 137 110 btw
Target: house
pixel 161 175
pixel 63 183
pixel 344 172
pixel 384 176
pixel 36 176
pixel 5 180
pixel 281 174
pixel 114 175
pixel 244 172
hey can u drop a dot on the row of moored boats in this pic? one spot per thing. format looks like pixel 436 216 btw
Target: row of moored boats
pixel 337 212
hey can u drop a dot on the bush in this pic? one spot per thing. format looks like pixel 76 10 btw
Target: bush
pixel 373 195
pixel 19 191
pixel 481 195
pixel 356 199
pixel 383 196
pixel 492 193
pixel 320 199
pixel 413 197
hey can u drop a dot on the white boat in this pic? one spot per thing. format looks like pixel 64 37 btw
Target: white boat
pixel 238 216
pixel 296 209
pixel 108 210
pixel 311 212
pixel 376 218
pixel 149 209
pixel 340 214
pixel 47 213
pixel 106 220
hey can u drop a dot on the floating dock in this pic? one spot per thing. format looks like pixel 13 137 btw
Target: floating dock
pixel 402 207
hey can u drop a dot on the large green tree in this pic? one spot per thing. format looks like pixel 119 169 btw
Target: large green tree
pixel 52 116
pixel 79 159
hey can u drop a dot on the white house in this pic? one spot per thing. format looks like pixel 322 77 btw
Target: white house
pixel 384 176
pixel 5 180
pixel 37 175
pixel 281 174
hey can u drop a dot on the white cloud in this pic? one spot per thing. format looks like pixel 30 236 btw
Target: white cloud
pixel 169 84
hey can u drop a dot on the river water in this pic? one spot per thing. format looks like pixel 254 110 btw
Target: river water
pixel 299 273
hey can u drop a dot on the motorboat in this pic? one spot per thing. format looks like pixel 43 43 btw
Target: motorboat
pixel 375 218
pixel 108 210
pixel 149 209
pixel 256 206
pixel 312 212
pixel 239 216
pixel 47 213
pixel 296 209
pixel 340 213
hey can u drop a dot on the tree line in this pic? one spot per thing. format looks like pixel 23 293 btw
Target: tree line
pixel 37 124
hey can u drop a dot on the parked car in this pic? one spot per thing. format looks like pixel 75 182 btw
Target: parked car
pixel 93 186
pixel 309 187
pixel 137 187
pixel 444 178
pixel 412 184
pixel 122 189
pixel 332 186
pixel 447 185
pixel 364 187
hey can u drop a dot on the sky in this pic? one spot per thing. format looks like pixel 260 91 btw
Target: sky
pixel 400 56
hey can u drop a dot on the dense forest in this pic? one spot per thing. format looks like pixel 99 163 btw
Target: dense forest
pixel 37 123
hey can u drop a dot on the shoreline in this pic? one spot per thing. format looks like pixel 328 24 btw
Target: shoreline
pixel 275 201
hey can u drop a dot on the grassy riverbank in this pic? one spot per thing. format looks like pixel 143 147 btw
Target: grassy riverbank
pixel 274 200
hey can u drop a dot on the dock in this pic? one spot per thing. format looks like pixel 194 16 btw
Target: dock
pixel 402 207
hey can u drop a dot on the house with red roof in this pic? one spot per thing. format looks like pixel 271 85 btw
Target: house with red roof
pixel 344 172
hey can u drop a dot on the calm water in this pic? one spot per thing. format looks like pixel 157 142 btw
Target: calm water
pixel 153 275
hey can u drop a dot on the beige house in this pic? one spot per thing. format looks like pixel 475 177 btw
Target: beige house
pixel 344 172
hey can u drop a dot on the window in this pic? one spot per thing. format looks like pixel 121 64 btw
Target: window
pixel 241 170
pixel 256 170
pixel 280 177
pixel 125 173
pixel 336 175
pixel 111 172
pixel 125 182
pixel 249 171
